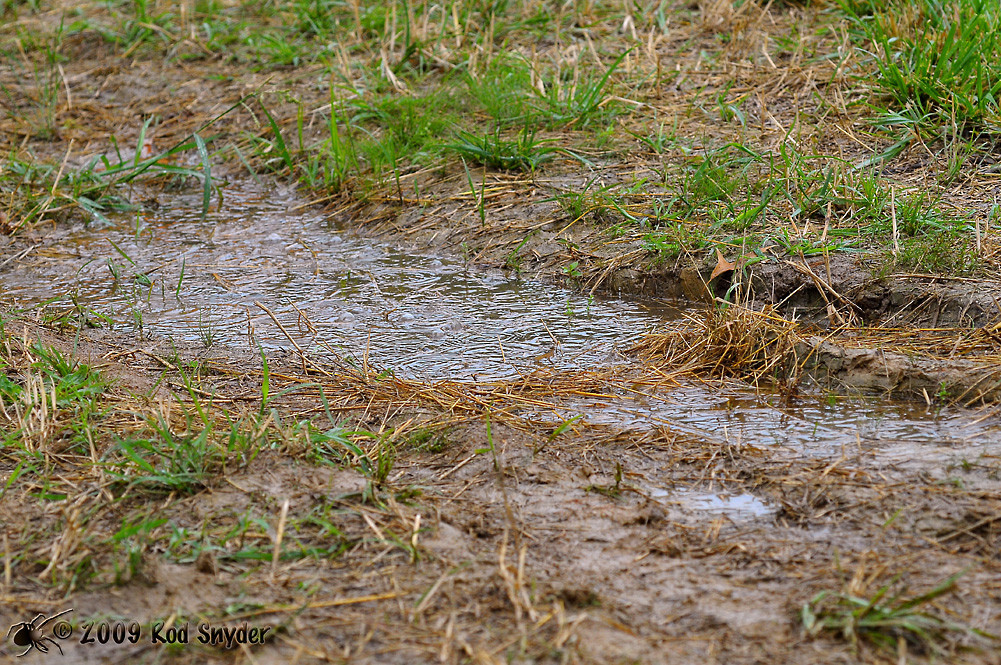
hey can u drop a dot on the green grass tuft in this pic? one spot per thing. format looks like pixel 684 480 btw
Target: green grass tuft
pixel 939 62
pixel 884 619
pixel 525 153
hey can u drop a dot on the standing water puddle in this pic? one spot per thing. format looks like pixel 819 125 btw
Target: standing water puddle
pixel 420 316
pixel 740 505
pixel 416 315
pixel 810 423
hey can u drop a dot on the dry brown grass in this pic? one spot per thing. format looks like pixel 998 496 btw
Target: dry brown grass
pixel 726 341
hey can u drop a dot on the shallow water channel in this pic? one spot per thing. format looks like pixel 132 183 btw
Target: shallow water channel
pixel 172 275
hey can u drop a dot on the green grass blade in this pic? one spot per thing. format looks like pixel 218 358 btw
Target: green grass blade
pixel 279 140
pixel 122 252
pixel 203 153
pixel 945 586
pixel 140 142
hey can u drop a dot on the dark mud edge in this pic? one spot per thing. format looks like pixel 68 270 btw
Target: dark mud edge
pixel 807 291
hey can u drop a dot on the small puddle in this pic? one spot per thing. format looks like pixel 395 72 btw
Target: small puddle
pixel 810 423
pixel 735 506
pixel 421 316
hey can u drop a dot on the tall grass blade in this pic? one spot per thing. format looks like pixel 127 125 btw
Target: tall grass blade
pixel 279 140
pixel 203 153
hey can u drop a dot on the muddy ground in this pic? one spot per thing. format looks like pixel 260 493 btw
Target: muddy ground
pixel 595 547
pixel 599 546
pixel 441 521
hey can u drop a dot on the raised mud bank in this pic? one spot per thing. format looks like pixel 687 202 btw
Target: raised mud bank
pixel 967 382
pixel 806 290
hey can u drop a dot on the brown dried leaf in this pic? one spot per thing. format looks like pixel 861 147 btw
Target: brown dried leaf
pixel 722 266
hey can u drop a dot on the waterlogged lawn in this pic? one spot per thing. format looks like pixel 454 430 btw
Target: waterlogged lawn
pixel 609 146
